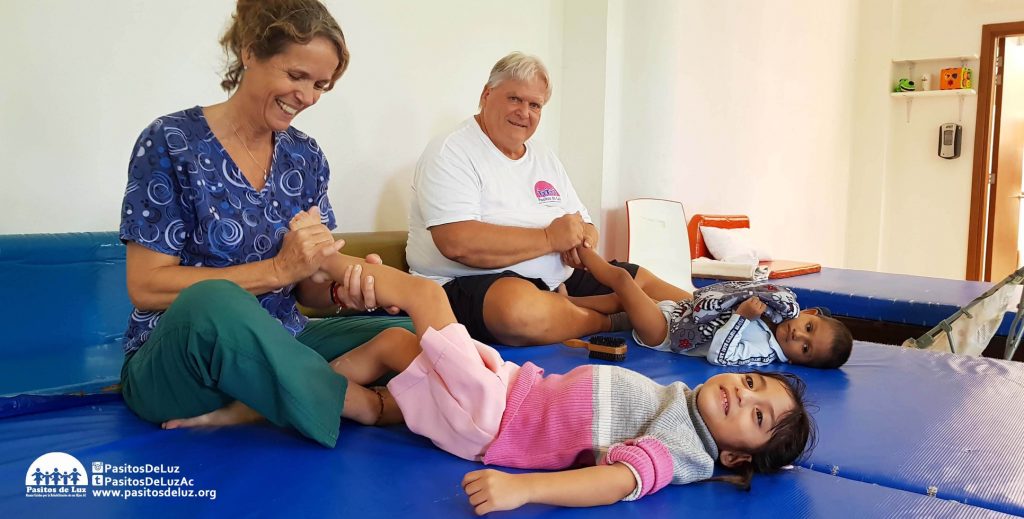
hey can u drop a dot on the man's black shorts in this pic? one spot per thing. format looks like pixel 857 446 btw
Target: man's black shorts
pixel 466 294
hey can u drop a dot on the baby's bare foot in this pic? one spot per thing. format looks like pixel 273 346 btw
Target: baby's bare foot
pixel 305 219
pixel 308 219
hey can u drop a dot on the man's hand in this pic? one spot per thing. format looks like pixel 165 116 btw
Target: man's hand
pixel 571 257
pixel 565 232
pixel 752 308
pixel 491 490
pixel 591 236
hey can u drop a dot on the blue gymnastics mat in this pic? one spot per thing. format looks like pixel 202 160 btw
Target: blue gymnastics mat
pixel 65 306
pixel 260 471
pixel 895 426
pixel 879 296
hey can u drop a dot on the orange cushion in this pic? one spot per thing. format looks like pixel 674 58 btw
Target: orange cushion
pixel 698 249
pixel 777 268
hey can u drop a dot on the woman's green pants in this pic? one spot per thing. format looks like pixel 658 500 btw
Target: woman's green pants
pixel 216 344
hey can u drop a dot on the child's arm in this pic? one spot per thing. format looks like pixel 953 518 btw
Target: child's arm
pixel 491 490
pixel 648 321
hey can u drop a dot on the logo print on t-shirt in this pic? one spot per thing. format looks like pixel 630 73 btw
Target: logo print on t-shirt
pixel 546 192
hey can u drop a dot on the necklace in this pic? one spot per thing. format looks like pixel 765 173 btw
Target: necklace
pixel 254 161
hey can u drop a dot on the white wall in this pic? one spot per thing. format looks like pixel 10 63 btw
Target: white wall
pixel 729 108
pixel 81 79
pixel 583 88
pixel 75 97
pixel 909 209
pixel 779 110
pixel 870 134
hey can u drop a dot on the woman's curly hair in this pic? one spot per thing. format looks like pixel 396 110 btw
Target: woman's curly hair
pixel 266 27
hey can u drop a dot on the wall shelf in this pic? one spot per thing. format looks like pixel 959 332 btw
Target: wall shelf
pixel 938 93
pixel 972 57
pixel 906 68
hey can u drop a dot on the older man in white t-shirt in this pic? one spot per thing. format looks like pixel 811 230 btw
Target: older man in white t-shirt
pixel 495 220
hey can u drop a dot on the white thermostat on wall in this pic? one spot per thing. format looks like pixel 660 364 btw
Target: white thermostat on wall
pixel 949 140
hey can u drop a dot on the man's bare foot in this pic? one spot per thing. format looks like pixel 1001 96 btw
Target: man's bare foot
pixel 235 413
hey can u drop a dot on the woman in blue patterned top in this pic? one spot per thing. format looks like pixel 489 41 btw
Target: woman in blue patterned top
pixel 213 271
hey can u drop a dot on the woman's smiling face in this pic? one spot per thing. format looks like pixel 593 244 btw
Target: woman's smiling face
pixel 287 83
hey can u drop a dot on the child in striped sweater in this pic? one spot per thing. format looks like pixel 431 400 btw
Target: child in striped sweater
pixel 612 433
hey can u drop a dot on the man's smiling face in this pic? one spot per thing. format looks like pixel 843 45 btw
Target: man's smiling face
pixel 510 113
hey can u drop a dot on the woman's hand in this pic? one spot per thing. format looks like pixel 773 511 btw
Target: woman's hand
pixel 357 292
pixel 354 293
pixel 304 248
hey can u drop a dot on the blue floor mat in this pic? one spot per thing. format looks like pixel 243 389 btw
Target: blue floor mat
pixel 894 424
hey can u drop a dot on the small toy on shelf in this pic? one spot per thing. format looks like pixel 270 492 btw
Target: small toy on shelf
pixel 904 85
pixel 925 83
pixel 955 78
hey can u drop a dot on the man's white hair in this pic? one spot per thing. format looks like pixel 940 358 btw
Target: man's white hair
pixel 521 67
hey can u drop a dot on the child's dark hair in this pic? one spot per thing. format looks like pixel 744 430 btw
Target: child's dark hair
pixel 792 435
pixel 842 344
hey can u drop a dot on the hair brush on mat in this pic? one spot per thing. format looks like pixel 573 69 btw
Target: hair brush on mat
pixel 602 347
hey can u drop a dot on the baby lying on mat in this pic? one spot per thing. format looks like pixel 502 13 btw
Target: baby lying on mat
pixel 608 433
pixel 751 323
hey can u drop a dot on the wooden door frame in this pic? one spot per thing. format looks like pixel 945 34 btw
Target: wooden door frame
pixel 978 246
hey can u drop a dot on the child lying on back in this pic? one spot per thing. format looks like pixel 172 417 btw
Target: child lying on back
pixel 734 323
pixel 608 433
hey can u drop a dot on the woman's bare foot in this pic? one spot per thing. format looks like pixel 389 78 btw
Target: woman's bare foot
pixel 235 413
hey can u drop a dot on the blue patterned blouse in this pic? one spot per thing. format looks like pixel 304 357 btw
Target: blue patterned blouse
pixel 187 198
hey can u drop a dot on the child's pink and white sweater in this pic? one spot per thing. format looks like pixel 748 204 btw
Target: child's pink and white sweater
pixel 598 414
pixel 472 403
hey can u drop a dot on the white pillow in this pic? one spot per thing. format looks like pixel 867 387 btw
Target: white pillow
pixel 733 245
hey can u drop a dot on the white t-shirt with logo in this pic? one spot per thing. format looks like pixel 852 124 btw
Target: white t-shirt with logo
pixel 462 177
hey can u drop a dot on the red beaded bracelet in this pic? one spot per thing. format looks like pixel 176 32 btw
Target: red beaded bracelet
pixel 333 291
